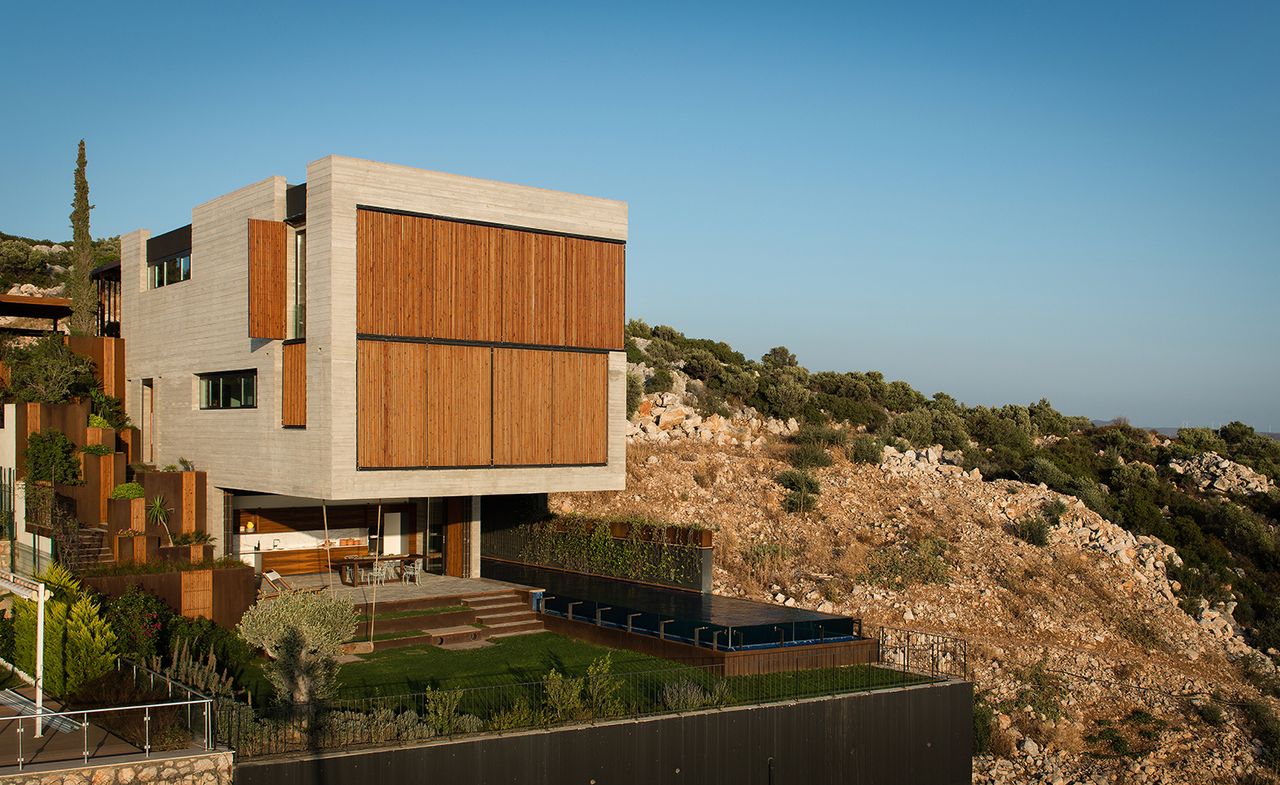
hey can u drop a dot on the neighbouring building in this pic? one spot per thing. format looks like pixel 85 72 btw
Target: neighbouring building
pixel 359 360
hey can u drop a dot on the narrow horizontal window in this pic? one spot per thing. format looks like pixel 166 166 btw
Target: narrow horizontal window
pixel 229 390
pixel 169 271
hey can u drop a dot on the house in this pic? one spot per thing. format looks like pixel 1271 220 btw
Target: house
pixel 358 361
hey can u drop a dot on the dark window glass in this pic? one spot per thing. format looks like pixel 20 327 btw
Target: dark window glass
pixel 169 271
pixel 229 390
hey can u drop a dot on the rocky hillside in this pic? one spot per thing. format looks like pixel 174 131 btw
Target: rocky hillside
pixel 1074 644
pixel 1101 651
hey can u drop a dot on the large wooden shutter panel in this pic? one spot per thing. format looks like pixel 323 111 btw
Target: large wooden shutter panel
pixel 293 405
pixel 391 404
pixel 459 405
pixel 522 413
pixel 268 278
pixel 579 404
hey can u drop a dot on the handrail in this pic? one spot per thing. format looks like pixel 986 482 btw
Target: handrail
pixel 78 712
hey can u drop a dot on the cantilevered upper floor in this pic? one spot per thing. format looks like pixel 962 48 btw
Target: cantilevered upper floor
pixel 382 331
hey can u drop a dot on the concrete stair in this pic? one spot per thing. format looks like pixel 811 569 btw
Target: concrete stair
pixel 504 615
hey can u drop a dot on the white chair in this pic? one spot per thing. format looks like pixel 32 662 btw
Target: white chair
pixel 378 575
pixel 412 571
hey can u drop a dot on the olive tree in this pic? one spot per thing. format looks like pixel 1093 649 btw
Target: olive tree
pixel 302 633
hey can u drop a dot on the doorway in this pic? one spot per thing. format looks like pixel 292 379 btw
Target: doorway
pixel 148 420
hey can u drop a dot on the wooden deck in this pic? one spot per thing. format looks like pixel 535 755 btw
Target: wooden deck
pixel 433 587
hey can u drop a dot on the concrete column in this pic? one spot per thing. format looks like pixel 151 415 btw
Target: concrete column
pixel 474 539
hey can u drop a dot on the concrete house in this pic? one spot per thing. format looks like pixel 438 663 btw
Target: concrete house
pixel 358 361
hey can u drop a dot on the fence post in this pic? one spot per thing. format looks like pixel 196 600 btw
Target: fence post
pixel 84 727
pixel 146 723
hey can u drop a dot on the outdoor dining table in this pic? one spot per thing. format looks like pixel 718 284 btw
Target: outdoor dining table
pixel 347 568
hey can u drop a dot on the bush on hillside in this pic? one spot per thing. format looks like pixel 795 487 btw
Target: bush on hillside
pixel 809 456
pixel 917 561
pixel 661 381
pixel 916 427
pixel 635 393
pixel 782 392
pixel 797 480
pixel 701 364
pixel 735 383
pixel 821 435
pixel 866 449
pixel 1032 529
pixel 634 355
pixel 855 412
pixel 638 328
pixel 902 397
pixel 779 357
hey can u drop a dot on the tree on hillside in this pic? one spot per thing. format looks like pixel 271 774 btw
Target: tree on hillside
pixel 84 303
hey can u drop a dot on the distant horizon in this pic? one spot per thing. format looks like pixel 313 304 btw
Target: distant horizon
pixel 1009 202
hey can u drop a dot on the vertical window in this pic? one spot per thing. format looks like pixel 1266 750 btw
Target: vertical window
pixel 229 390
pixel 300 284
pixel 169 271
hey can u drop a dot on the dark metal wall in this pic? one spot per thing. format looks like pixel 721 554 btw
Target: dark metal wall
pixel 913 736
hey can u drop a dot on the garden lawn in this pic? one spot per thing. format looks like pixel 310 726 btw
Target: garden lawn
pixel 521 659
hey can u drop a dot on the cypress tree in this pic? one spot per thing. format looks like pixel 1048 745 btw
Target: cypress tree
pixel 84 300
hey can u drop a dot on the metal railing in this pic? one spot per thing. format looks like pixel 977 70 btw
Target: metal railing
pixel 927 653
pixel 553 701
pixel 111 723
pixel 137 727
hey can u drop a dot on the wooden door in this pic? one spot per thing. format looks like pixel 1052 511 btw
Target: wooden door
pixel 457 536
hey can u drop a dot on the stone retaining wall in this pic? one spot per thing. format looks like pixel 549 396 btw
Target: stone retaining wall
pixel 212 768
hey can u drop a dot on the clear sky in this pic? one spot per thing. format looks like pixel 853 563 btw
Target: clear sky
pixel 1000 200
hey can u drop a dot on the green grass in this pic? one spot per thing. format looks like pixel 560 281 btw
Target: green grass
pixel 524 658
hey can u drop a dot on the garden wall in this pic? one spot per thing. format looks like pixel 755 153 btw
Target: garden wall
pixel 676 556
pixel 220 594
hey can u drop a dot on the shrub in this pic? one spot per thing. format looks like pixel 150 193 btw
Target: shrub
pixel 822 435
pixel 1042 691
pixel 1266 729
pixel 110 409
pixel 701 364
pixel 138 619
pixel 735 382
pixel 128 490
pixel 866 449
pixel 901 397
pixel 51 456
pixel 302 634
pixel 1033 529
pixel 96 421
pixel 46 371
pixel 518 715
pixel 635 394
pixel 6 638
pixel 202 637
pixel 799 501
pixel 914 426
pixel 796 480
pixel 634 354
pixel 661 381
pixel 984 723
pixel 1053 511
pixel 80 645
pixel 638 328
pixel 1209 712
pixel 440 711
pixel 779 357
pixel 782 391
pixel 96 449
pixel 603 690
pixel 808 456
pixel 562 697
pixel 857 412
pixel 914 562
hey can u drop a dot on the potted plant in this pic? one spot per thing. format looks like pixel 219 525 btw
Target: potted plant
pixel 199 545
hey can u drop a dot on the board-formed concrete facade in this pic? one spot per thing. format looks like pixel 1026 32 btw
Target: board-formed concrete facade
pixel 174 333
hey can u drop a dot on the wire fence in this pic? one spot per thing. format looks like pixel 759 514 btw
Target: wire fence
pixel 927 653
pixel 555 700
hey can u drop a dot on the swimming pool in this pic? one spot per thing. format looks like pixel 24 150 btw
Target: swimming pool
pixel 705 620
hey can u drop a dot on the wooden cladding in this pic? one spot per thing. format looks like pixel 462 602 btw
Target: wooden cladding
pixel 521 402
pixel 579 400
pixel 420 277
pixel 293 390
pixel 391 388
pixel 459 405
pixel 268 278
pixel 593 269
pixel 448 405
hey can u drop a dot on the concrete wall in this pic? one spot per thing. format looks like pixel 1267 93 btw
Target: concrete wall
pixel 177 331
pixel 910 736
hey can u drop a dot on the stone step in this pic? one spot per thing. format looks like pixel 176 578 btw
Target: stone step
pixel 441 637
pixel 507 628
pixel 491 619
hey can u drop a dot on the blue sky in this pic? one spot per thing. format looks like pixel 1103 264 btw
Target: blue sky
pixel 1004 200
